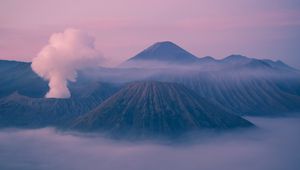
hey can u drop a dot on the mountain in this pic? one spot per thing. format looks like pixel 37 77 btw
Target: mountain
pixel 235 58
pixel 18 76
pixel 207 59
pixel 246 92
pixel 165 52
pixel 143 109
pixel 17 110
pixel 245 85
pixel 243 62
pixel 168 54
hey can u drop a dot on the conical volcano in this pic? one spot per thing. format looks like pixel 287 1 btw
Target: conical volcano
pixel 166 52
pixel 156 108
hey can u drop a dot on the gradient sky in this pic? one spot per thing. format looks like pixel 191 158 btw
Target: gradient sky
pixel 261 29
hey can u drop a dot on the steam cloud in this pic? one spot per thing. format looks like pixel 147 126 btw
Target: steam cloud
pixel 275 146
pixel 65 54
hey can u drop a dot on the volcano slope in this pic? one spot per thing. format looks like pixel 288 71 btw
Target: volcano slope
pixel 151 108
pixel 17 110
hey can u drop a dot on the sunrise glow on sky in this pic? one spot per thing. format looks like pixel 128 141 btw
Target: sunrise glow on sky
pixel 261 29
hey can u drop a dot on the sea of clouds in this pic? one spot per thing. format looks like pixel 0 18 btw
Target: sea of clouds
pixel 274 145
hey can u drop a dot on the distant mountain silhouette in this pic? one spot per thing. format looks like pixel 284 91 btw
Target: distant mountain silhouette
pixel 207 59
pixel 235 59
pixel 243 62
pixel 149 108
pixel 166 52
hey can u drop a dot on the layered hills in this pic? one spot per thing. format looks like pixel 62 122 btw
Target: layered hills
pixel 202 93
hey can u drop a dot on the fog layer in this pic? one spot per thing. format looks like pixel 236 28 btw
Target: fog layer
pixel 274 145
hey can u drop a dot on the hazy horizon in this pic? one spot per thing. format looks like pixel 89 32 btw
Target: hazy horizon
pixel 265 29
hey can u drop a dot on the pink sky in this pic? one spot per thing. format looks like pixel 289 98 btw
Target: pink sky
pixel 263 29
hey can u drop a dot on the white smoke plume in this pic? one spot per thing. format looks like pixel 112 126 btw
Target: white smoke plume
pixel 65 54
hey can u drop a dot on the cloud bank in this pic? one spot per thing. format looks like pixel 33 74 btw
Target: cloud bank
pixel 65 54
pixel 274 146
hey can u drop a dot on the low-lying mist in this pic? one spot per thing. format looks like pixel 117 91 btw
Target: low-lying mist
pixel 169 72
pixel 274 145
